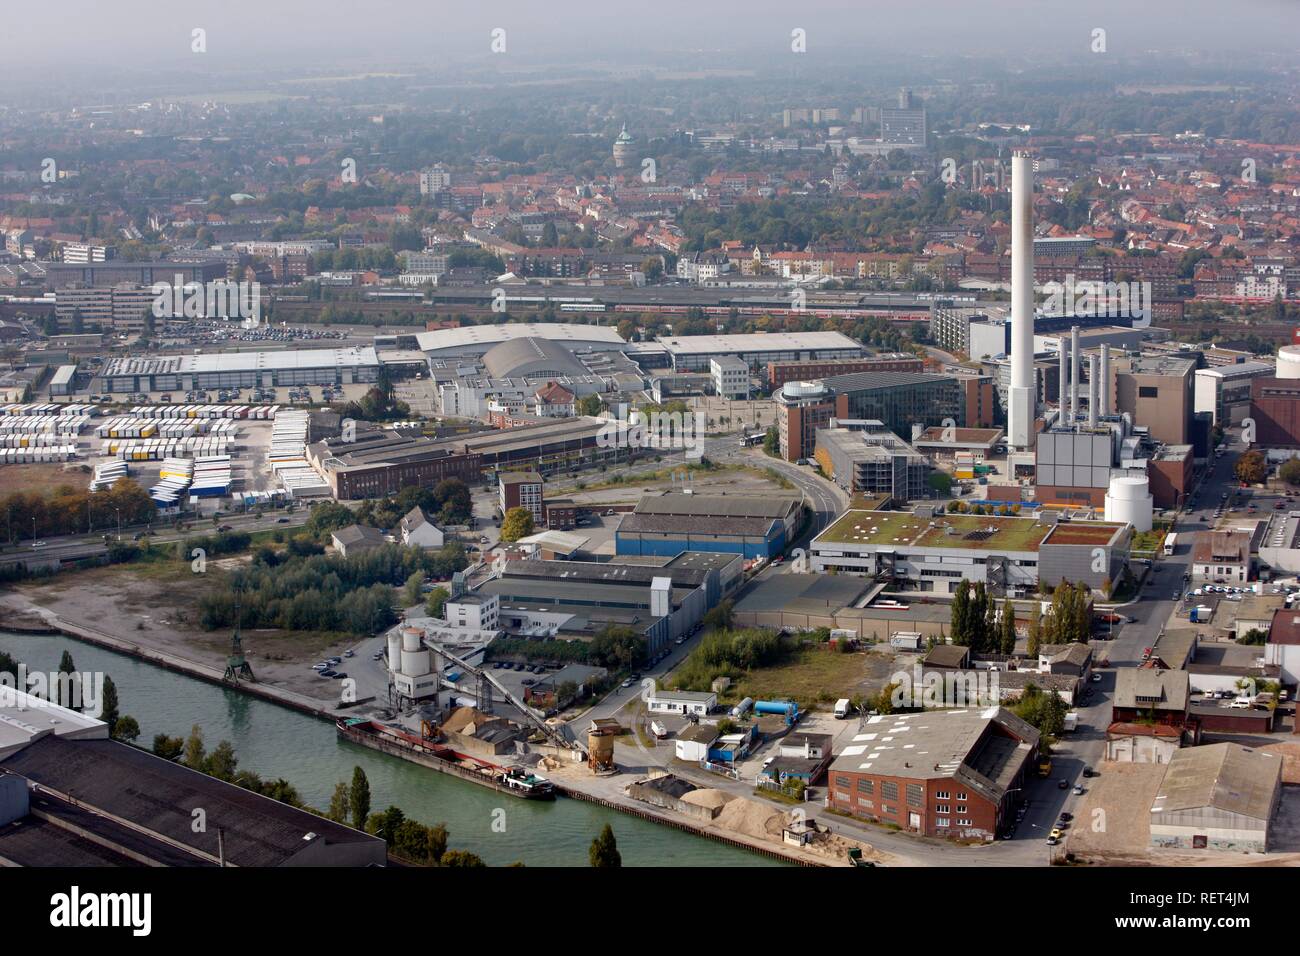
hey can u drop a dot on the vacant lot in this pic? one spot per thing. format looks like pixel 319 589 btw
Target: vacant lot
pixel 154 604
pixel 816 674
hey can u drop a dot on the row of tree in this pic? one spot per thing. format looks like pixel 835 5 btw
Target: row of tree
pixel 71 510
pixel 975 620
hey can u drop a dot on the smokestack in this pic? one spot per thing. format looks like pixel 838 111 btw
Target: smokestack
pixel 1063 376
pixel 1021 398
pixel 1074 374
pixel 1092 391
pixel 1103 387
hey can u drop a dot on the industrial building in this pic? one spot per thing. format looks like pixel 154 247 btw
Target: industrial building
pixel 522 489
pixel 59 275
pixel 1218 797
pixel 867 458
pixel 898 399
pixel 477 340
pixel 660 598
pixel 1275 404
pixel 692 353
pixel 218 370
pixel 1157 391
pixel 934 552
pixel 381 462
pixel 778 373
pixel 1224 391
pixel 955 775
pixel 748 525
pixel 71 797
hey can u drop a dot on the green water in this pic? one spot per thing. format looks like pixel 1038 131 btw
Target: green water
pixel 275 742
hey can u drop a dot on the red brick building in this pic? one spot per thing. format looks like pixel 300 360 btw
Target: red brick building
pixel 1275 406
pixel 778 373
pixel 944 773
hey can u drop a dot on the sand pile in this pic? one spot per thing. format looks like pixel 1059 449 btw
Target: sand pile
pixel 709 799
pixel 751 818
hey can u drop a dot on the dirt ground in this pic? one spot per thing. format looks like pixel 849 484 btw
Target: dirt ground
pixel 43 479
pixel 154 605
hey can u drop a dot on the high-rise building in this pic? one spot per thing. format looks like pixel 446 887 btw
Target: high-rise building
pixel 904 126
pixel 434 179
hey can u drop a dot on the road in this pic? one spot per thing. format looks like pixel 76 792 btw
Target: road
pixel 78 546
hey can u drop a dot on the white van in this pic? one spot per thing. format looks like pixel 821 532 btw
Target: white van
pixel 842 708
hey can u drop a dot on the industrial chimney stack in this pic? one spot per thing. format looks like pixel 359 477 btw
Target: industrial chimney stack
pixel 1021 398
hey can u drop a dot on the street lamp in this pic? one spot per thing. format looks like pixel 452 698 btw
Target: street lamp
pixel 119 522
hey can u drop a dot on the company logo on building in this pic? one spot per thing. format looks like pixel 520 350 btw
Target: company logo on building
pixel 662 431
pixel 218 299
pixel 939 689
pixel 1096 299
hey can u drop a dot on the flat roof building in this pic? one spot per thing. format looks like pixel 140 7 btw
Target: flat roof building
pixel 1009 555
pixel 215 370
pixel 693 352
pixel 1218 797
pixel 473 340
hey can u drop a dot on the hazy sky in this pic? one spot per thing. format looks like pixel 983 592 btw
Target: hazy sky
pixel 140 33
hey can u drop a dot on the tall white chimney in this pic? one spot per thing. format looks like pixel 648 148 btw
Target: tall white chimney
pixel 1103 387
pixel 1063 377
pixel 1021 404
pixel 1092 391
pixel 1074 374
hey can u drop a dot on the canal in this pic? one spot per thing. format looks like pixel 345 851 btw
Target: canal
pixel 274 741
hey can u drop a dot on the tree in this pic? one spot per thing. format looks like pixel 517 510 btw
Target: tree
pixel 720 617
pixel 618 648
pixel 359 798
pixel 1034 640
pixel 169 748
pixel 436 603
pixel 462 858
pixel 518 524
pixel 604 849
pixel 413 590
pixel 940 481
pixel 65 694
pixel 339 803
pixel 1290 471
pixel 221 763
pixel 1251 467
pixel 195 756
pixel 109 705
pixel 1008 643
pixel 960 610
pixel 126 729
pixel 590 405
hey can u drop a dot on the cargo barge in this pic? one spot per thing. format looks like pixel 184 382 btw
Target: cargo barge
pixel 513 779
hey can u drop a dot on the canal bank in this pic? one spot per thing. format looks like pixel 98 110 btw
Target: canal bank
pixel 276 741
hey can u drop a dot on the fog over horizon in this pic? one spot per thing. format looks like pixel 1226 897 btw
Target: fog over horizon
pixel 136 36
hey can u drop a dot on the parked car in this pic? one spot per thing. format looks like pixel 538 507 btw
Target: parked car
pixel 1078 790
pixel 1063 784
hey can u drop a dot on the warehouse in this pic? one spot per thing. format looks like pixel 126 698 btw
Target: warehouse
pixel 748 525
pixel 953 773
pixel 475 340
pixel 381 462
pixel 217 370
pixel 692 353
pixel 934 552
pixel 1217 797
pixel 661 599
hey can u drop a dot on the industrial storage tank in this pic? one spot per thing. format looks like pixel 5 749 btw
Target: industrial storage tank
pixel 1288 361
pixel 741 709
pixel 1129 499
pixel 415 658
pixel 797 390
pixel 394 651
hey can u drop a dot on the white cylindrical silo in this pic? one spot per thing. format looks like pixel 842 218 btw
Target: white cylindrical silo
pixel 1288 361
pixel 1128 499
pixel 1075 357
pixel 394 651
pixel 412 638
pixel 415 663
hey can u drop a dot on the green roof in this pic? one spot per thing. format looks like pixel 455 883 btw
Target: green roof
pixel 903 529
